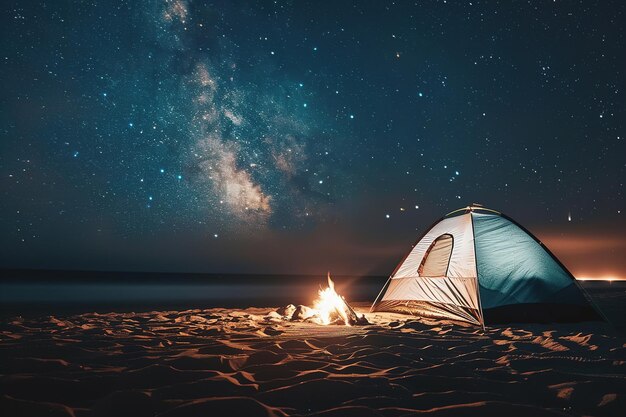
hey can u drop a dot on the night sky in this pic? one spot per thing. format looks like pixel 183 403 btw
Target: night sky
pixel 301 137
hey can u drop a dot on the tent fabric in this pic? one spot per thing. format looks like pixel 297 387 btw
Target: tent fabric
pixel 450 297
pixel 513 268
pixel 434 310
pixel 479 262
pixel 462 262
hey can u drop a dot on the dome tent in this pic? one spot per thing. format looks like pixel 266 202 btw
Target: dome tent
pixel 477 265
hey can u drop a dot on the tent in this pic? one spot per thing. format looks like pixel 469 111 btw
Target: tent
pixel 479 266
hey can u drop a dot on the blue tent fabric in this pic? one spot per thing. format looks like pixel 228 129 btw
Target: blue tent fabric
pixel 513 268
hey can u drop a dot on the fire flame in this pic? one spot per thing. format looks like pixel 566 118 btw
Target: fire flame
pixel 330 304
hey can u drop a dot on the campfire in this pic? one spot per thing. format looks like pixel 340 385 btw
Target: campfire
pixel 328 308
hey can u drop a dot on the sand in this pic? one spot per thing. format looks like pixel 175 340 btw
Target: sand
pixel 227 362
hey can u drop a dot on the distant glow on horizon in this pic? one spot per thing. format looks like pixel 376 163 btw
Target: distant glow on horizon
pixel 609 278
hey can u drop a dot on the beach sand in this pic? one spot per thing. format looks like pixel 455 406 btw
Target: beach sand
pixel 249 362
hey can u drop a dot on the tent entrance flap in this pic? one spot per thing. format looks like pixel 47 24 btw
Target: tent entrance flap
pixel 437 257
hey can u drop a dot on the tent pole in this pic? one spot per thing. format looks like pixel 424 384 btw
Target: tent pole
pixel 380 293
pixel 480 304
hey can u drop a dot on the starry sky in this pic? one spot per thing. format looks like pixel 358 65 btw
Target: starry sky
pixel 305 136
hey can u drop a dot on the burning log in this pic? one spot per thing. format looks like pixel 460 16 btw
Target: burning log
pixel 354 318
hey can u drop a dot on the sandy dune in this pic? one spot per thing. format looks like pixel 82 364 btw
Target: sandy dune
pixel 249 362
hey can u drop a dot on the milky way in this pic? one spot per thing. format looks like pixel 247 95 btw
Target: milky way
pixel 250 146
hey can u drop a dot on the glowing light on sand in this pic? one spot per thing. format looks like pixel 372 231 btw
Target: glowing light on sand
pixel 330 304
